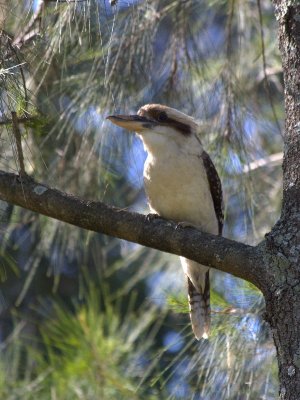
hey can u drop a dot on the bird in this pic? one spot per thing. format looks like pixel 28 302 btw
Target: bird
pixel 181 184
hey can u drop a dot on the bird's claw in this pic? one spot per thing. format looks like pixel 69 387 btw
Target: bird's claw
pixel 185 224
pixel 23 177
pixel 151 217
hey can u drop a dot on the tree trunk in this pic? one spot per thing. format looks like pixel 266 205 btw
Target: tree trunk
pixel 282 257
pixel 283 301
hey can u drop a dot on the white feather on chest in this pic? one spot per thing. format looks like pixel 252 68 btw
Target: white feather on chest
pixel 177 188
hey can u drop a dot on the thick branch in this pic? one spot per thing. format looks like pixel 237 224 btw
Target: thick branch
pixel 226 255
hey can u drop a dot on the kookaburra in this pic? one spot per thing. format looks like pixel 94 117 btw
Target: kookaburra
pixel 182 184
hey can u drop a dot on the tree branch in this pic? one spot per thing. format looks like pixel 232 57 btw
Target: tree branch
pixel 223 254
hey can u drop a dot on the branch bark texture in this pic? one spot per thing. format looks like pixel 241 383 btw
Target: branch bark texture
pixel 218 252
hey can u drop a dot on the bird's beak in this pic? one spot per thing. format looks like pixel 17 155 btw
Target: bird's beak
pixel 134 123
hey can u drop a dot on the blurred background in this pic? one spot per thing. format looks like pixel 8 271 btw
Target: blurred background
pixel 86 316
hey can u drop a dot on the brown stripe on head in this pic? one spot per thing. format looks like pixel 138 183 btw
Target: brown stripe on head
pixel 170 117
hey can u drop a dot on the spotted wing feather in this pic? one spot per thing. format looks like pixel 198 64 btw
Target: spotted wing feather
pixel 215 189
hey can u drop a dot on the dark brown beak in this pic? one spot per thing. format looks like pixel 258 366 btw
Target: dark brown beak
pixel 133 123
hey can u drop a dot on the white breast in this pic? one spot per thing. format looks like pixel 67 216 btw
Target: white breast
pixel 178 189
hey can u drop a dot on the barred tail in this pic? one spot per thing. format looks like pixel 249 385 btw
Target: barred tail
pixel 200 308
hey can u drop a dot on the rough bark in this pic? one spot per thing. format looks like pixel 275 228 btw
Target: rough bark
pixel 282 258
pixel 226 255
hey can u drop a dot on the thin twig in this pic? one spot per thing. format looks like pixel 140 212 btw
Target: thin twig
pixel 271 160
pixel 30 31
pixel 21 120
pixel 17 135
pixel 20 65
pixel 228 82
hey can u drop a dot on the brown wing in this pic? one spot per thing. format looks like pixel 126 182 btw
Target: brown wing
pixel 215 188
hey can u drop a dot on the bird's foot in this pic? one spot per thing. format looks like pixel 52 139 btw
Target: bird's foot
pixel 151 217
pixel 185 224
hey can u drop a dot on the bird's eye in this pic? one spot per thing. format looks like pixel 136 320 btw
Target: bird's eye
pixel 162 117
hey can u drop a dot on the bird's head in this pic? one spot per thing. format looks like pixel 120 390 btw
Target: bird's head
pixel 161 127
